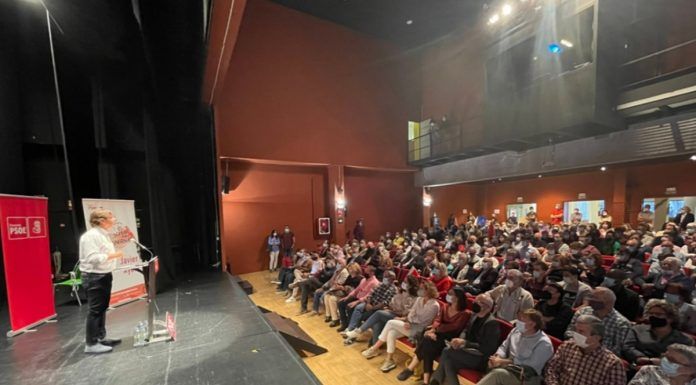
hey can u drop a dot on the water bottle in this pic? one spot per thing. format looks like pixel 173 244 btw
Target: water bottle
pixel 136 335
pixel 145 332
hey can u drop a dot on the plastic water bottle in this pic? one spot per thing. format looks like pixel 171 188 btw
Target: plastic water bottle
pixel 145 332
pixel 136 335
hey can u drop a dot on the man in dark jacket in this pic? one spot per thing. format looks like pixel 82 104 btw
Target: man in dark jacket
pixel 627 301
pixel 471 350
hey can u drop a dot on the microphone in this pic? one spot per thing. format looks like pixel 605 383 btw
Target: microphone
pixel 139 244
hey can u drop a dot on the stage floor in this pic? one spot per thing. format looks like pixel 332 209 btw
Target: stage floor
pixel 221 339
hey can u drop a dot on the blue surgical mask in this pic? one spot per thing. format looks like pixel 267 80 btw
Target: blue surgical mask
pixel 521 326
pixel 609 282
pixel 436 272
pixel 672 298
pixel 670 368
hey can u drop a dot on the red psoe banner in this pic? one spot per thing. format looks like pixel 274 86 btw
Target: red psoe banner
pixel 27 257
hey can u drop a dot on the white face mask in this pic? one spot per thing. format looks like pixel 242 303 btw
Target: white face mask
pixel 448 298
pixel 521 326
pixel 509 284
pixel 404 286
pixel 536 274
pixel 579 339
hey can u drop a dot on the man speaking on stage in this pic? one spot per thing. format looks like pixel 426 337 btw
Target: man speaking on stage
pixel 97 261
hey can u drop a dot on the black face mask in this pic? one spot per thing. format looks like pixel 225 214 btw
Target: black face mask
pixel 545 295
pixel 475 307
pixel 657 322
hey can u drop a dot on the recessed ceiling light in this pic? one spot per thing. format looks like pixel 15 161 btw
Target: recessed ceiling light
pixel 567 43
pixel 539 176
pixel 603 168
pixel 499 179
pixel 693 157
pixel 409 22
pixel 507 9
pixel 494 19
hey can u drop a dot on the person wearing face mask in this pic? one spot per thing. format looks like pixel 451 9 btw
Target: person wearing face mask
pixel 510 298
pixel 422 314
pixel 601 305
pixel 677 367
pixel 575 291
pixel 314 282
pixel 556 214
pixel 522 356
pixel 442 281
pixel 593 271
pixel 448 324
pixel 536 283
pixel 628 302
pixel 341 274
pixel 287 241
pixel 671 273
pixel 646 343
pixel 583 360
pixel 555 313
pixel 680 296
pixel 630 261
pixel 347 304
pixel 378 299
pixel 480 281
pixel 273 248
pixel 472 347
pixel 399 306
pixel 684 217
pixel 666 247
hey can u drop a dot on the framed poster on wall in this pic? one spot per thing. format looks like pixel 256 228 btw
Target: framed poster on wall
pixel 324 226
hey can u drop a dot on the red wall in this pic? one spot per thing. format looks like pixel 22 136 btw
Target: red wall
pixel 621 187
pixel 305 90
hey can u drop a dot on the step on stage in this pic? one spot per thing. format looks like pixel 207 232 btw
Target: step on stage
pixel 222 338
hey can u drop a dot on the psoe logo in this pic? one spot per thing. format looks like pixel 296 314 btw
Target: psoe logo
pixel 17 228
pixel 37 227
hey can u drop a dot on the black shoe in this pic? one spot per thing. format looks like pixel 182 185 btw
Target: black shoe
pixel 342 328
pixel 404 375
pixel 110 342
pixel 327 319
pixel 333 324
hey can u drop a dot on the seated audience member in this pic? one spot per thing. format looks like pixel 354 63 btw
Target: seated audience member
pixel 523 354
pixel 671 273
pixel 607 243
pixel 666 247
pixel 448 324
pixel 684 218
pixel 510 298
pixel 347 304
pixel 558 264
pixel 314 282
pixel 627 301
pixel 338 278
pixel 483 279
pixel 574 290
pixel 680 296
pixel 594 272
pixel 379 298
pixel 583 360
pixel 630 261
pixel 341 290
pixel 421 315
pixel 399 306
pixel 473 346
pixel 441 279
pixel 305 264
pixel 677 367
pixel 616 326
pixel 536 283
pixel 645 344
pixel 554 311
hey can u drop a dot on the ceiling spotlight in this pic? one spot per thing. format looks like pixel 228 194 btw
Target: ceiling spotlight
pixel 567 43
pixel 500 179
pixel 603 168
pixel 494 19
pixel 409 22
pixel 555 48
pixel 693 157
pixel 507 9
pixel 536 58
pixel 539 176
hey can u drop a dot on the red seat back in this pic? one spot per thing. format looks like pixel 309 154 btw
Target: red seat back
pixel 555 342
pixel 646 267
pixel 505 329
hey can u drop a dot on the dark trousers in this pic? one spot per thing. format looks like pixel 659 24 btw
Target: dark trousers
pixel 452 360
pixel 307 287
pixel 428 350
pixel 286 276
pixel 98 288
pixel 344 312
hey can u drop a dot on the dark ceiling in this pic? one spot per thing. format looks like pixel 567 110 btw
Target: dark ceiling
pixel 389 19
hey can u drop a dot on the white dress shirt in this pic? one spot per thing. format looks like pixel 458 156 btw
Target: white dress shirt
pixel 95 247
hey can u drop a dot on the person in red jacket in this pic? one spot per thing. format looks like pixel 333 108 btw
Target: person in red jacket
pixel 442 281
pixel 557 215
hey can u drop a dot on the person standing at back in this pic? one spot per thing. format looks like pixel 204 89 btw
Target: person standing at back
pixel 287 241
pixel 97 262
pixel 273 247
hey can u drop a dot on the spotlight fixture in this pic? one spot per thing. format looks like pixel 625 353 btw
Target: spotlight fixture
pixel 494 19
pixel 603 168
pixel 507 9
pixel 555 48
pixel 427 201
pixel 409 22
pixel 567 43
pixel 500 179
pixel 693 157
pixel 539 176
